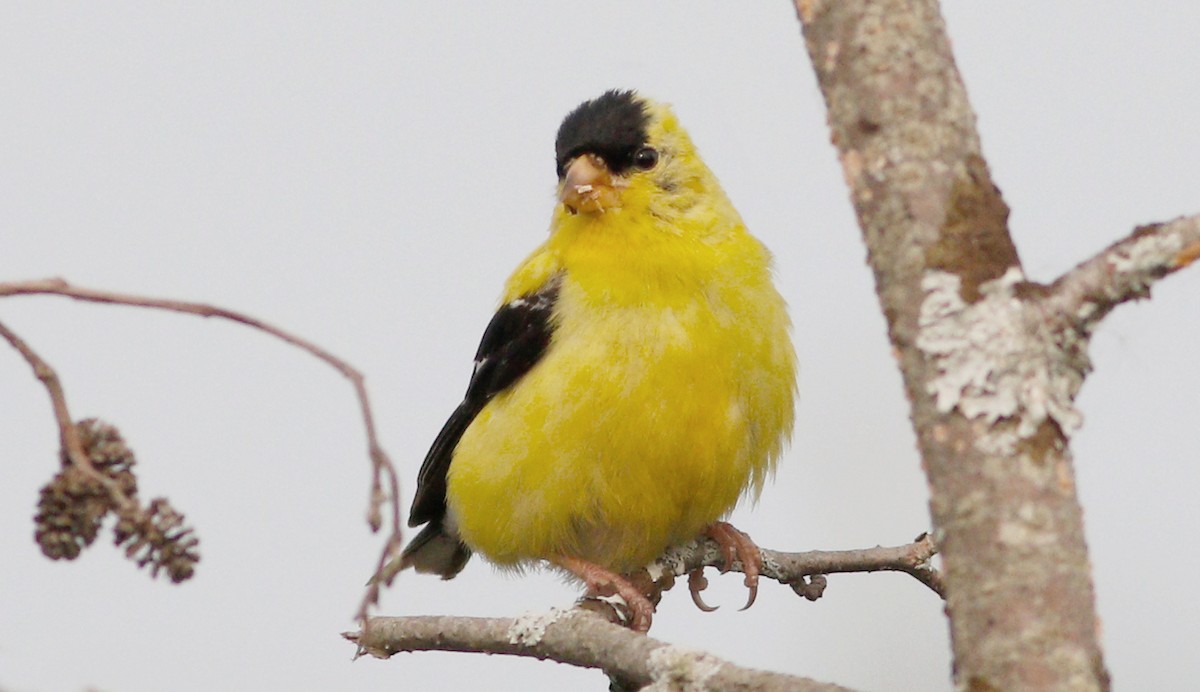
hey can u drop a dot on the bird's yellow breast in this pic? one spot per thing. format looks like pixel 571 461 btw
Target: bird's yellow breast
pixel 666 391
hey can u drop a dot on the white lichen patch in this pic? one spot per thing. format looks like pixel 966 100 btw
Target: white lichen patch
pixel 996 358
pixel 528 629
pixel 998 443
pixel 1146 254
pixel 619 605
pixel 674 560
pixel 680 669
pixel 1032 527
pixel 770 566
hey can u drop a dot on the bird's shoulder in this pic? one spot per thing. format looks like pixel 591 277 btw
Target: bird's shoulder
pixel 539 271
pixel 513 342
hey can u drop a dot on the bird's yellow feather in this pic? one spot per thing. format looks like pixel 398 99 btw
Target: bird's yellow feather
pixel 666 390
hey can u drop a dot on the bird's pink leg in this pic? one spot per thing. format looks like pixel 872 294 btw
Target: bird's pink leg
pixel 603 582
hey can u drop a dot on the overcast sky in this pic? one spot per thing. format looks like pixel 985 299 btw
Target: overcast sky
pixel 367 174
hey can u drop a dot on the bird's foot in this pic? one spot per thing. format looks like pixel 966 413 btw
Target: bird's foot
pixel 697 583
pixel 603 582
pixel 735 547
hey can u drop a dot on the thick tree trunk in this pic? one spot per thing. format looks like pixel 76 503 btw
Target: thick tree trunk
pixel 990 377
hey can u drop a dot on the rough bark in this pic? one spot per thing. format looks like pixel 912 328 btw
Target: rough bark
pixel 990 381
pixel 633 660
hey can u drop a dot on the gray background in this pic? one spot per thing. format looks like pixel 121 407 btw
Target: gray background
pixel 367 175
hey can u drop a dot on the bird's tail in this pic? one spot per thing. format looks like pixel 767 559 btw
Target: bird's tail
pixel 433 551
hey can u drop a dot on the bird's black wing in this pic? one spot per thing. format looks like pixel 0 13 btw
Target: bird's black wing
pixel 513 342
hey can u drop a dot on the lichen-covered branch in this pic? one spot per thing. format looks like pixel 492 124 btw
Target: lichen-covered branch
pixel 587 636
pixel 990 379
pixel 385 484
pixel 1123 271
pixel 804 572
pixel 913 559
pixel 578 638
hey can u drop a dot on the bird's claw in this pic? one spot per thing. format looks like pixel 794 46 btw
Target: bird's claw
pixel 696 584
pixel 641 612
pixel 737 546
pixel 751 583
pixel 602 582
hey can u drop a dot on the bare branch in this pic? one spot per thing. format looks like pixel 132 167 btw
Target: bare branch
pixel 383 472
pixel 577 638
pixel 68 434
pixel 96 479
pixel 804 572
pixel 791 568
pixel 1123 271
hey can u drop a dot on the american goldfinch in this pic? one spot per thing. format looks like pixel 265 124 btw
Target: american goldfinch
pixel 637 379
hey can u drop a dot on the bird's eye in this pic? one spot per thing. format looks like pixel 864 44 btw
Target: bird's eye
pixel 645 158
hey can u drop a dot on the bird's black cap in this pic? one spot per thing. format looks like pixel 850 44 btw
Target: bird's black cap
pixel 612 126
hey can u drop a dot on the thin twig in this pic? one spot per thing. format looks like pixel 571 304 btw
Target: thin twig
pixel 68 433
pixel 1123 271
pixel 790 568
pixel 576 638
pixel 381 465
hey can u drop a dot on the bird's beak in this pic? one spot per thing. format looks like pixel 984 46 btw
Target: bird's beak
pixel 588 186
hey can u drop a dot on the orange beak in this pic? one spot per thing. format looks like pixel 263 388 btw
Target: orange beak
pixel 588 186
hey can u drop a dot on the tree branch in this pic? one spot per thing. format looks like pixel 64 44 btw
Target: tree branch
pixel 594 641
pixel 383 472
pixel 991 384
pixel 791 568
pixel 97 479
pixel 68 434
pixel 577 638
pixel 1123 271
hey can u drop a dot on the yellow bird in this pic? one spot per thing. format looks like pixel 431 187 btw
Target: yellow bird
pixel 637 379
